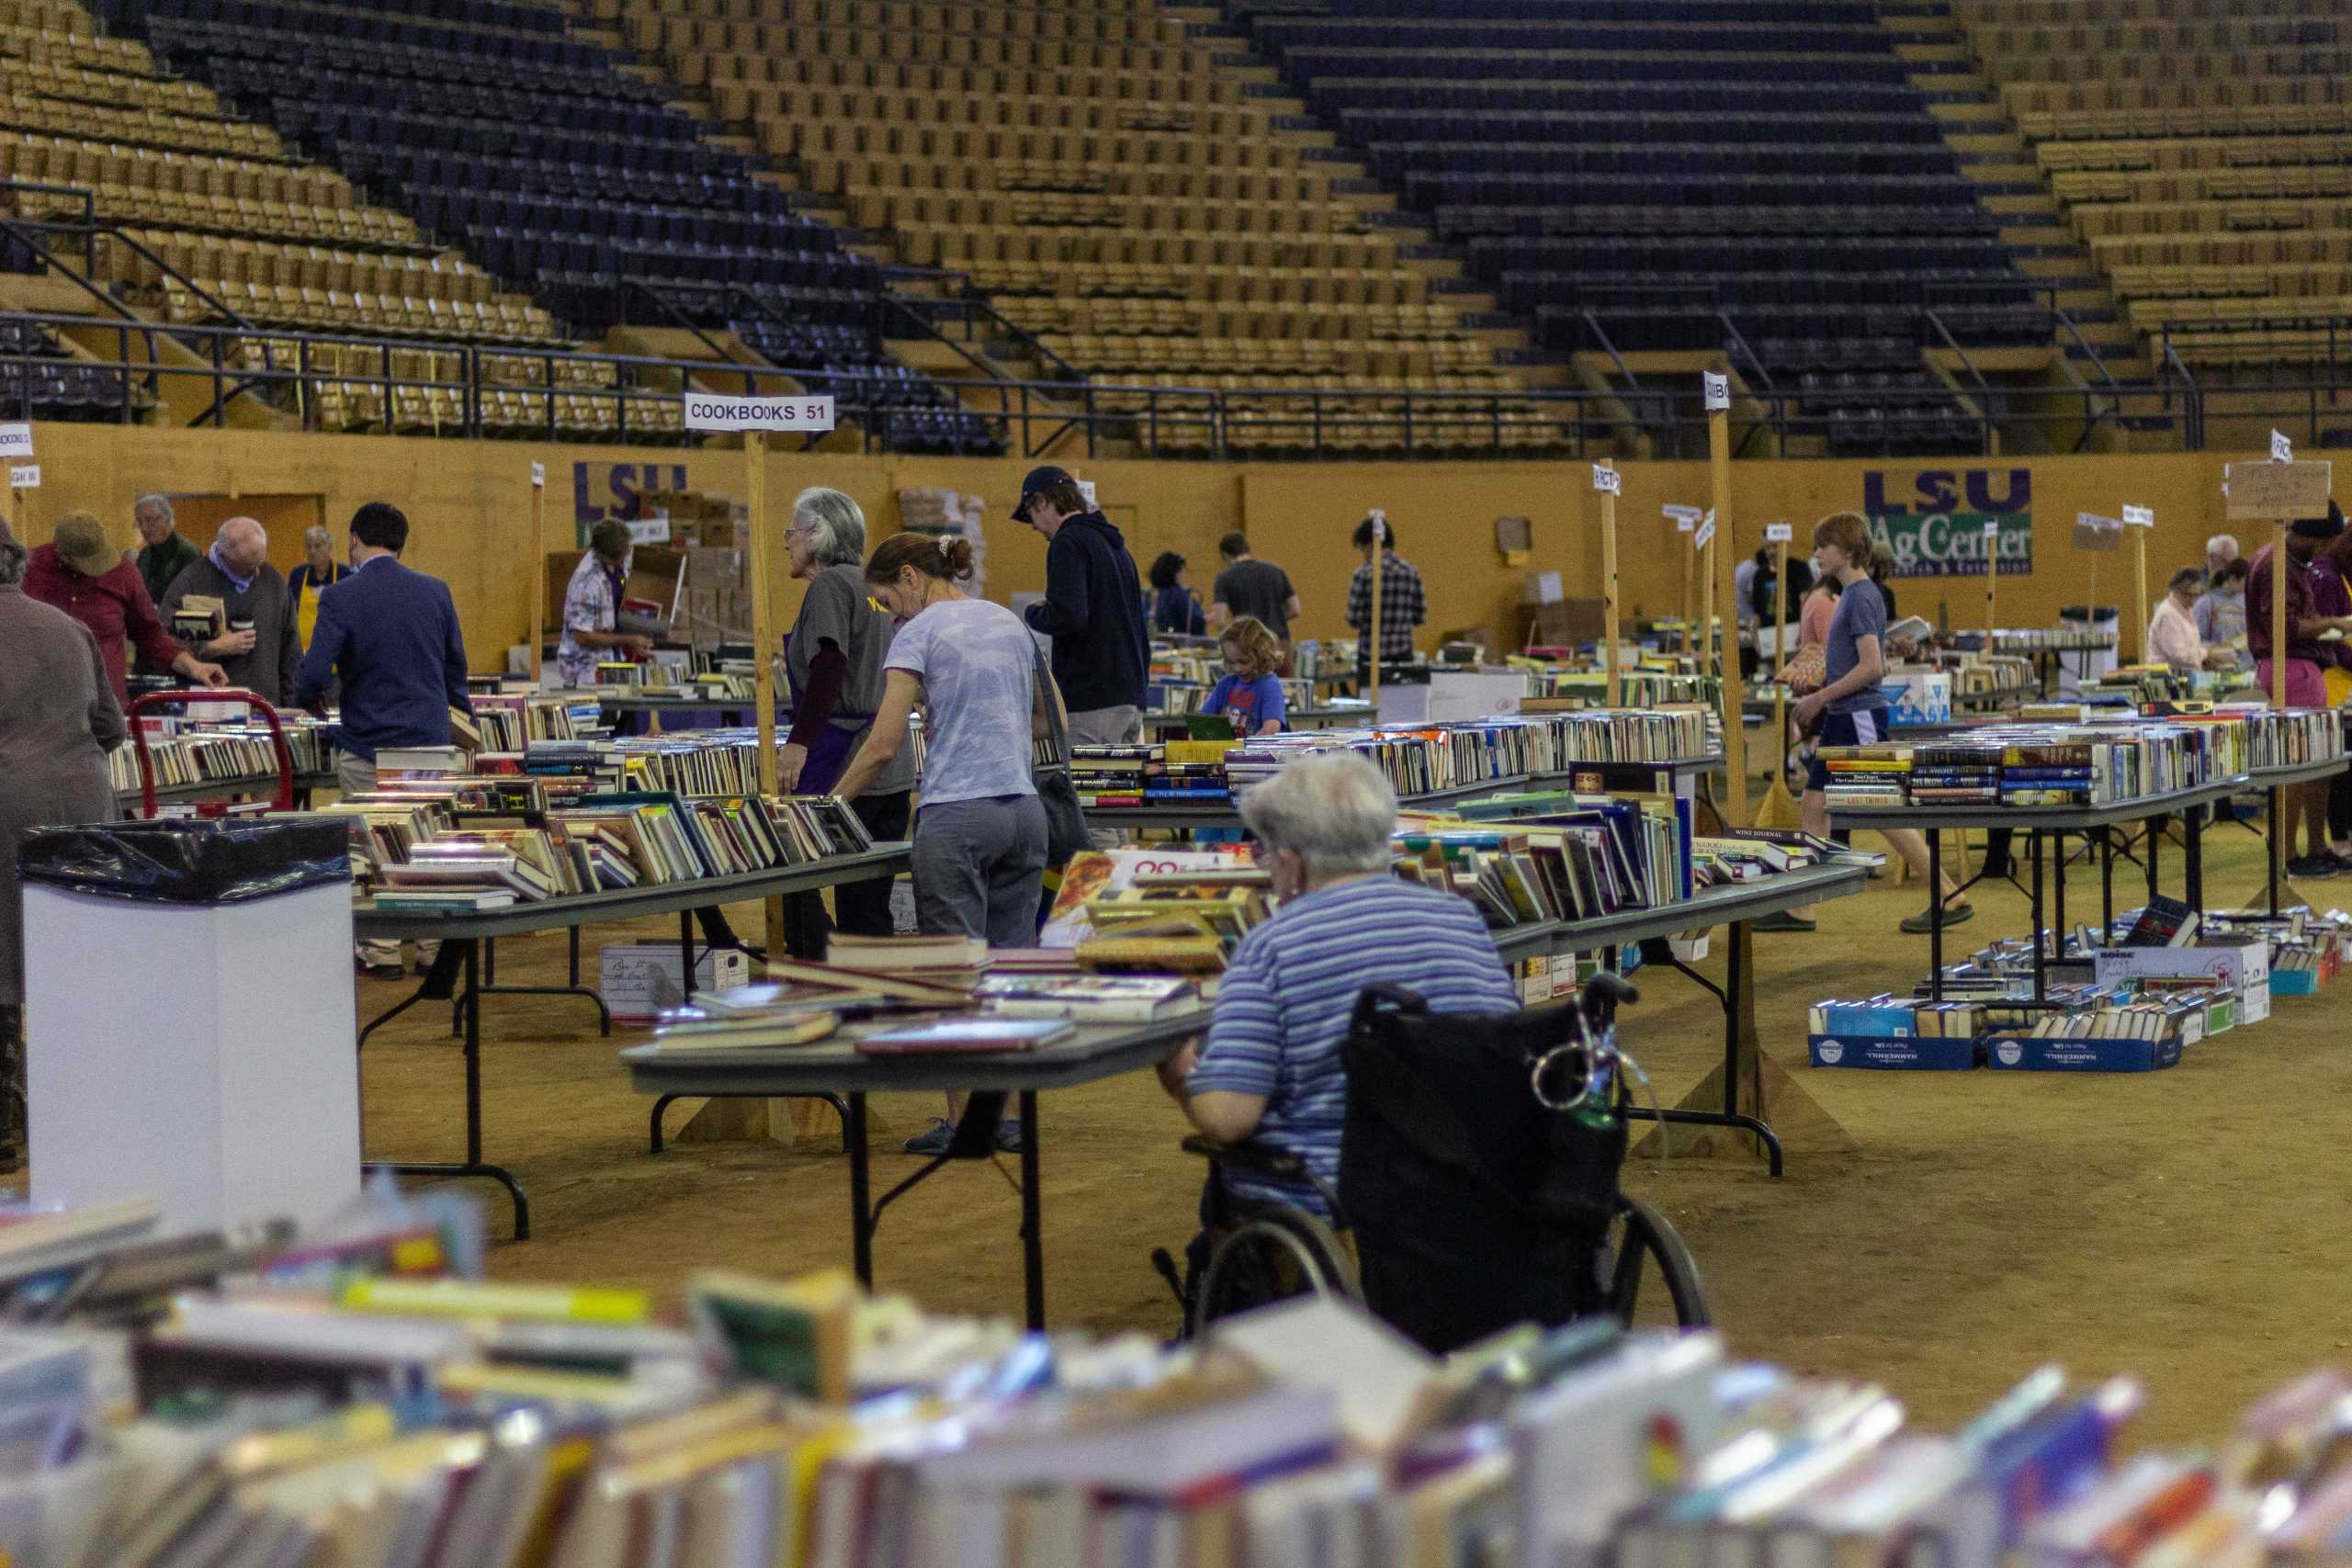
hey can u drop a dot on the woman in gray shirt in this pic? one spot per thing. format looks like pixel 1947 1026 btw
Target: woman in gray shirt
pixel 833 658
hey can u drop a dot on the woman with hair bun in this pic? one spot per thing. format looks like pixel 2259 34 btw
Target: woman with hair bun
pixel 979 836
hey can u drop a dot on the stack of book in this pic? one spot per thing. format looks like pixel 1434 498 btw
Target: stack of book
pixel 1176 772
pixel 1958 772
pixel 184 753
pixel 1589 856
pixel 360 1400
pixel 508 722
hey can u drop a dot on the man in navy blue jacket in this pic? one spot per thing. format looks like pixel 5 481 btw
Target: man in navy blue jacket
pixel 391 635
pixel 1092 610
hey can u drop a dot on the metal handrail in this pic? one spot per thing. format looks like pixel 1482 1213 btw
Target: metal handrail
pixel 668 308
pixel 1985 408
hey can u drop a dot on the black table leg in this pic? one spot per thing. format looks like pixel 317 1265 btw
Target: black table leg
pixel 491 987
pixel 663 1103
pixel 2058 901
pixel 1936 919
pixel 1735 977
pixel 2271 858
pixel 470 1004
pixel 2040 991
pixel 2193 852
pixel 861 1218
pixel 2106 884
pixel 2155 838
pixel 1033 1238
pixel 687 953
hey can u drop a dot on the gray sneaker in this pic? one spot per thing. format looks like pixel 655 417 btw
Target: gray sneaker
pixel 1925 920
pixel 932 1140
pixel 1011 1137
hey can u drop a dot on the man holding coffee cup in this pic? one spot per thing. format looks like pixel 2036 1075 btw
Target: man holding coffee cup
pixel 252 637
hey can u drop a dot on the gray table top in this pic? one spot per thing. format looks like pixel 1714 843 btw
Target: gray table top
pixel 1094 1051
pixel 1710 906
pixel 1225 813
pixel 626 904
pixel 2068 818
pixel 2297 773
pixel 221 789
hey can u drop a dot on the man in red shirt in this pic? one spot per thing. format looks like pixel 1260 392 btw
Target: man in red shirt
pixel 81 574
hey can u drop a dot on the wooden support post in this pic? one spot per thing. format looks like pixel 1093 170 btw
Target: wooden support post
pixel 1779 650
pixel 2139 589
pixel 1992 578
pixel 2278 618
pixel 1371 633
pixel 1609 584
pixel 1736 812
pixel 1707 600
pixel 538 567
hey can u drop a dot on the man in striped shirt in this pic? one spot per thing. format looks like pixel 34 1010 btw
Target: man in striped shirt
pixel 1272 1070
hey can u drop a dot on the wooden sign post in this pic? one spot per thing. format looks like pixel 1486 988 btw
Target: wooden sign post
pixel 2277 492
pixel 2139 519
pixel 1686 521
pixel 1991 577
pixel 753 418
pixel 1779 534
pixel 1609 482
pixel 1719 524
pixel 1372 632
pixel 1703 544
pixel 539 569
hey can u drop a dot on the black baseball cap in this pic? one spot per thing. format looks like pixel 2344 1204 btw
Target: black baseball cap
pixel 2325 528
pixel 1040 481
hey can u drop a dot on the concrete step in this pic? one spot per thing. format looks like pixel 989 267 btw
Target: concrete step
pixel 1925 50
pixel 1998 141
pixel 1967 111
pixel 2039 202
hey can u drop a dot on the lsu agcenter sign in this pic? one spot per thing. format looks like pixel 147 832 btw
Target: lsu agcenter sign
pixel 1933 520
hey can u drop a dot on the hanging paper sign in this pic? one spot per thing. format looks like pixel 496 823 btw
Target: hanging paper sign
pixel 1992 527
pixel 15 440
pixel 24 475
pixel 1778 533
pixel 1608 482
pixel 539 476
pixel 1686 518
pixel 2277 491
pixel 2140 516
pixel 2093 531
pixel 1086 489
pixel 1706 534
pixel 2282 449
pixel 1718 390
pixel 706 411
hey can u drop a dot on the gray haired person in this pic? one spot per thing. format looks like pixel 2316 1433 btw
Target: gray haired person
pixel 1272 1070
pixel 57 721
pixel 833 662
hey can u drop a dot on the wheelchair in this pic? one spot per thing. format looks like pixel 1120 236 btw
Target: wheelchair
pixel 1480 1165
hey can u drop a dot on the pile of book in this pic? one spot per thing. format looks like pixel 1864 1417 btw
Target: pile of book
pixel 2053 639
pixel 1639 688
pixel 508 722
pixel 1589 856
pixel 184 753
pixel 1174 923
pixel 1175 773
pixel 1186 685
pixel 359 1398
pixel 453 846
pixel 2100 760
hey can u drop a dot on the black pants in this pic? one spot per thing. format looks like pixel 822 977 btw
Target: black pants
pixel 862 908
pixel 2339 806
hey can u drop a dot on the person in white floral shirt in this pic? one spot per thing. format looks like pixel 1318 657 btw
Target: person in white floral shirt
pixel 591 604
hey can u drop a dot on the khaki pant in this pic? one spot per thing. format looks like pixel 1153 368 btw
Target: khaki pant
pixel 353 774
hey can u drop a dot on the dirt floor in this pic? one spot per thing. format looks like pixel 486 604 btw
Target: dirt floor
pixel 2174 1223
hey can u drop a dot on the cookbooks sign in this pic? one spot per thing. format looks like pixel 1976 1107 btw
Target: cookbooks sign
pixel 1933 520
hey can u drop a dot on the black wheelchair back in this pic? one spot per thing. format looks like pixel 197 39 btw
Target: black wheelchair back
pixel 1477 1183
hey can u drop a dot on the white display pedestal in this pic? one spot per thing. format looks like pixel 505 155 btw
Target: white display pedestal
pixel 203 1058
pixel 1454 696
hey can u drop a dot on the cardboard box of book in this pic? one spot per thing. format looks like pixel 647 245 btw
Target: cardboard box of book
pixel 1887 1032
pixel 2238 962
pixel 642 979
pixel 1924 697
pixel 2089 1054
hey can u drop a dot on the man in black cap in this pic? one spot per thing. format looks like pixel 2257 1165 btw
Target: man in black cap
pixel 1092 610
pixel 2306 687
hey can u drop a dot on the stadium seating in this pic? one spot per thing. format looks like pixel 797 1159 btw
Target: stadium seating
pixel 1654 176
pixel 492 127
pixel 2200 147
pixel 39 379
pixel 1109 189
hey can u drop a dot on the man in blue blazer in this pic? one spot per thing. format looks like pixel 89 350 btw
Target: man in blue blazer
pixel 391 635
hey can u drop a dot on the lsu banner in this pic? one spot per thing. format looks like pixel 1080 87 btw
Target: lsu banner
pixel 1933 521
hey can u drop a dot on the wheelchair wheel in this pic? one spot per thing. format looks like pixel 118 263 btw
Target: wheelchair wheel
pixel 1646 1245
pixel 1282 1253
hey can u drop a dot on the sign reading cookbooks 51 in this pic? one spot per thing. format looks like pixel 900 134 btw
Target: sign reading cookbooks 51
pixel 707 411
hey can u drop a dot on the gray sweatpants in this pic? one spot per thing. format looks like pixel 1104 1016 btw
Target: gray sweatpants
pixel 978 867
pixel 353 774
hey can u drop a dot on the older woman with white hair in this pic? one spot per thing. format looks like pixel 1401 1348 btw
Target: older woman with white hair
pixel 319 571
pixel 1272 1070
pixel 833 660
